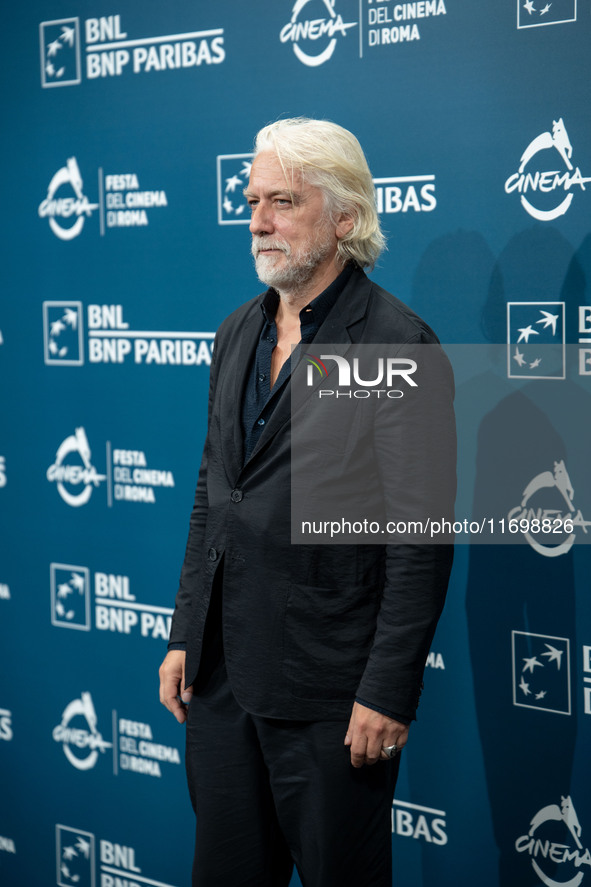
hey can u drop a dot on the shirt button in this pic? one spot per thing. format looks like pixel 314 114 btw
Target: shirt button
pixel 270 339
pixel 260 421
pixel 212 554
pixel 236 495
pixel 262 377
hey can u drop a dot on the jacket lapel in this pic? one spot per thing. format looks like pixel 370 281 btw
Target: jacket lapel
pixel 248 336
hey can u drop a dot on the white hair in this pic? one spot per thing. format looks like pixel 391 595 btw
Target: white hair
pixel 330 158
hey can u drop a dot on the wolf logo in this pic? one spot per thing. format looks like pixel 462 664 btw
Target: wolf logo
pixel 557 139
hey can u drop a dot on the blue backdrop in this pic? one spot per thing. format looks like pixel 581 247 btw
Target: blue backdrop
pixel 128 133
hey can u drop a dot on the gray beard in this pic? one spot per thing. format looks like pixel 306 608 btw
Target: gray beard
pixel 296 272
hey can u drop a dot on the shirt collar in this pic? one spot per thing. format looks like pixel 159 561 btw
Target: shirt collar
pixel 318 309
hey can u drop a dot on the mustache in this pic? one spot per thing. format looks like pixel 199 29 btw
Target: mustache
pixel 259 243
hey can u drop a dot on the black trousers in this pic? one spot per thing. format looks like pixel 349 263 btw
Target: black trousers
pixel 270 793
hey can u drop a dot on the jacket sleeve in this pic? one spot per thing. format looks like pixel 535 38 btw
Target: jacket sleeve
pixel 191 569
pixel 416 458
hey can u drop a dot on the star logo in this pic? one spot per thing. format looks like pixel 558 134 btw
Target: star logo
pixel 70 596
pixel 63 333
pixel 233 172
pixel 536 340
pixel 535 13
pixel 541 672
pixel 59 43
pixel 525 333
pixel 75 852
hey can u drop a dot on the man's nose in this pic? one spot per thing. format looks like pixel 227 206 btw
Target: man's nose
pixel 261 221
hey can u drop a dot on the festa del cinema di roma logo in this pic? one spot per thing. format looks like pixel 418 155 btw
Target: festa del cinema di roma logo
pixel 554 489
pixel 76 477
pixel 303 31
pixel 546 844
pixel 122 203
pixel 539 182
pixel 69 476
pixel 57 207
pixel 88 741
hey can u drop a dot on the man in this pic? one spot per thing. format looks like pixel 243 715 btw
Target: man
pixel 302 664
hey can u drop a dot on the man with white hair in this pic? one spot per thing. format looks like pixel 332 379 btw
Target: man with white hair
pixel 298 668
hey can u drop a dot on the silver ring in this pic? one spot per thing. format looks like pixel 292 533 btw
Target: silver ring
pixel 390 750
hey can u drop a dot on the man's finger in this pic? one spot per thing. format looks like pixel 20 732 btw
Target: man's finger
pixel 358 749
pixel 172 676
pixel 168 697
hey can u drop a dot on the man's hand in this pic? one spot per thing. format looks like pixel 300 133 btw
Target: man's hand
pixel 368 731
pixel 172 681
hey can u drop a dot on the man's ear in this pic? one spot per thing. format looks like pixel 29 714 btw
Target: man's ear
pixel 344 225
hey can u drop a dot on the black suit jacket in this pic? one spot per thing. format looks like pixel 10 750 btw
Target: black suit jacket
pixel 306 628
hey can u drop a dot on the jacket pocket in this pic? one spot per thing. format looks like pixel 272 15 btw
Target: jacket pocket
pixel 328 632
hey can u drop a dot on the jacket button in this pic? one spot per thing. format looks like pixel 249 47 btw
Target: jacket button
pixel 236 495
pixel 212 554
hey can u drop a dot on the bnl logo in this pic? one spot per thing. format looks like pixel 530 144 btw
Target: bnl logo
pixel 59 43
pixel 70 596
pixel 233 173
pixel 75 857
pixel 536 13
pixel 63 333
pixel 535 340
pixel 541 672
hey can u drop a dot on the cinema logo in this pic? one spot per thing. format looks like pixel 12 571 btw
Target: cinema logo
pixel 303 32
pixel 419 823
pixel 75 594
pixel 122 203
pixel 541 188
pixel 109 339
pixel 79 735
pixel 553 844
pixel 73 472
pixel 549 526
pixel 133 744
pixel 108 51
pixel 65 200
pixel 388 371
pixel 129 478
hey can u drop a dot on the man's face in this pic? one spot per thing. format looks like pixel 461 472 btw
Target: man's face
pixel 294 242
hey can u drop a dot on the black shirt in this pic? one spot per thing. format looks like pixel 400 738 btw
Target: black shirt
pixel 259 398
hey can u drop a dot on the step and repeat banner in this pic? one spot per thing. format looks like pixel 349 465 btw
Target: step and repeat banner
pixel 127 142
